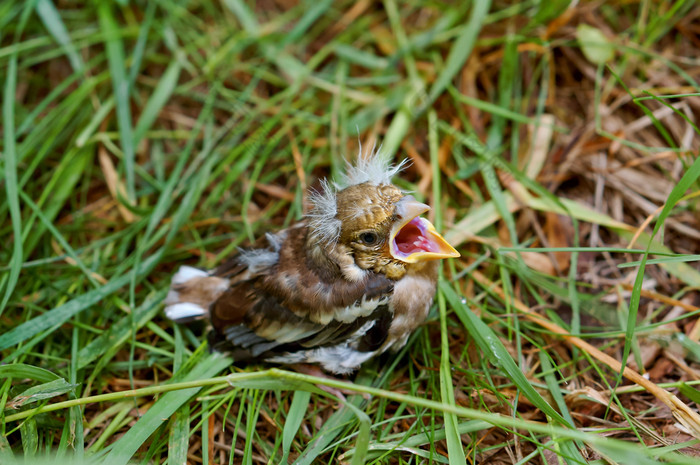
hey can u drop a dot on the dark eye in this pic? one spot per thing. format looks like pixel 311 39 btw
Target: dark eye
pixel 368 238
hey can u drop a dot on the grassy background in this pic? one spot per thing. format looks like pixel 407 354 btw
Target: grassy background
pixel 557 142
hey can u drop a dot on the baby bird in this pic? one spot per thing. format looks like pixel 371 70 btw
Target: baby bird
pixel 353 279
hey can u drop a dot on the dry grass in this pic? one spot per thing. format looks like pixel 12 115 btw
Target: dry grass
pixel 560 143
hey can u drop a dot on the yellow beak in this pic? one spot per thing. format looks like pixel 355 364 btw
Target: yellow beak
pixel 414 239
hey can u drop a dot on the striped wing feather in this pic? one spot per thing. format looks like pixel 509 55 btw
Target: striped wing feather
pixel 254 324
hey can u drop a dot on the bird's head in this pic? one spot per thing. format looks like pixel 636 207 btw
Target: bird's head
pixel 365 223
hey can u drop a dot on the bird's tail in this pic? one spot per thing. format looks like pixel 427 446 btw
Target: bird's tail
pixel 192 291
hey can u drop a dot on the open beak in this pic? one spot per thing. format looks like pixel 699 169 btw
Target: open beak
pixel 414 239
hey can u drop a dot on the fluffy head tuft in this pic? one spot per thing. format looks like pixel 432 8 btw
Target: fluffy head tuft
pixel 322 218
pixel 375 169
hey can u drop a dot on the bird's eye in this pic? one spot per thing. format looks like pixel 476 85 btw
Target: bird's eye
pixel 368 238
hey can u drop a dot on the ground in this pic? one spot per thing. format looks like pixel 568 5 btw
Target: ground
pixel 556 141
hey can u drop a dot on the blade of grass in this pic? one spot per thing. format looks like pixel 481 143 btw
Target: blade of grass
pixel 115 424
pixel 312 12
pixel 362 440
pixel 10 163
pixel 490 155
pixel 43 391
pixel 454 441
pixel 53 22
pixel 206 441
pixel 74 428
pixel 411 443
pixel 60 239
pixel 491 345
pixel 139 48
pixel 499 110
pixel 617 449
pixel 461 49
pixel 252 412
pixel 244 15
pixel 124 448
pixel 360 57
pixel 658 261
pixel 22 371
pixel 58 190
pixel 570 447
pixel 120 86
pixel 684 414
pixel 178 441
pixel 331 428
pixel 30 438
pixel 161 94
pixel 63 313
pixel 679 190
pixel 297 411
pixel 110 341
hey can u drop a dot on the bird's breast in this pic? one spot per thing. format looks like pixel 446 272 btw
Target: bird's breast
pixel 411 300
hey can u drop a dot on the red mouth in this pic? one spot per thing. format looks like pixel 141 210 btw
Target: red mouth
pixel 416 240
pixel 412 238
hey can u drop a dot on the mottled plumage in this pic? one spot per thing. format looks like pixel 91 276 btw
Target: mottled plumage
pixel 351 280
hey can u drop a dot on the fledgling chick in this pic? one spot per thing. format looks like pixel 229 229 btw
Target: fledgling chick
pixel 356 277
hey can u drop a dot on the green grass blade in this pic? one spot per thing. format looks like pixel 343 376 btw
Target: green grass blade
pixel 44 391
pixel 297 411
pixel 454 441
pixel 362 440
pixel 139 48
pixel 10 171
pixel 496 109
pixel 244 15
pixel 492 346
pixel 311 14
pixel 678 191
pixel 95 121
pixel 252 413
pixel 120 86
pixel 161 94
pixel 330 430
pixel 22 371
pixel 63 313
pixel 659 261
pixel 58 191
pixel 30 438
pixel 461 49
pixel 59 238
pixel 179 439
pixel 360 57
pixel 109 342
pixel 53 22
pixel 74 429
pixel 123 449
pixel 570 448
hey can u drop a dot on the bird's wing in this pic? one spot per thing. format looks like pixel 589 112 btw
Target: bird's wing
pixel 253 322
pixel 278 302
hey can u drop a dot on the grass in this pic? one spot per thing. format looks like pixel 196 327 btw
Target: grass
pixel 557 142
